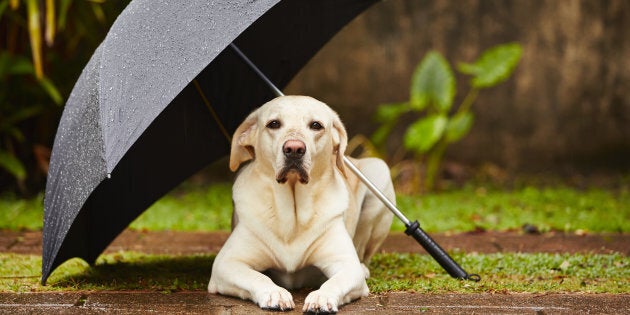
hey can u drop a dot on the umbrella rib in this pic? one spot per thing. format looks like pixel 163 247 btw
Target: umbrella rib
pixel 212 111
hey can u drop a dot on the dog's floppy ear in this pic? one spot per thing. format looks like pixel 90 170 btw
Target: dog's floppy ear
pixel 340 142
pixel 243 142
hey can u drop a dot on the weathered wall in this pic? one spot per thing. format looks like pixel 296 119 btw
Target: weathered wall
pixel 566 107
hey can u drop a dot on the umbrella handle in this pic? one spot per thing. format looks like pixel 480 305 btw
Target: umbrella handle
pixel 439 254
pixel 414 230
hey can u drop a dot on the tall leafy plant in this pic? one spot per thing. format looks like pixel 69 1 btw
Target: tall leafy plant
pixel 432 94
pixel 43 46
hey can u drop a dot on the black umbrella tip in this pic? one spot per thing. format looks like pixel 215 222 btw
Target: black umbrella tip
pixel 45 275
pixel 47 269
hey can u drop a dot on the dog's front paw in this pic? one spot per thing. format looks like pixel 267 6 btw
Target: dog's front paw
pixel 321 303
pixel 277 299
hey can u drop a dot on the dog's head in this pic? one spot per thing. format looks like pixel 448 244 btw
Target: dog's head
pixel 295 137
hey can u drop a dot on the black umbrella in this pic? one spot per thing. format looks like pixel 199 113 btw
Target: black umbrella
pixel 137 123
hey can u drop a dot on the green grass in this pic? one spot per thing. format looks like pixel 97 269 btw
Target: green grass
pixel 120 271
pixel 17 214
pixel 208 208
pixel 195 209
pixel 510 272
pixel 556 208
pixel 504 272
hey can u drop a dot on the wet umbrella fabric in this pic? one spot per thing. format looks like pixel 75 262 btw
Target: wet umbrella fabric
pixel 135 126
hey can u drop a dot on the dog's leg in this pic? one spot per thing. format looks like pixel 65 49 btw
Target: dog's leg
pixel 231 275
pixel 346 279
pixel 375 219
pixel 246 283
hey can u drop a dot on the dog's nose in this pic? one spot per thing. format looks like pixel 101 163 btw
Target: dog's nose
pixel 294 149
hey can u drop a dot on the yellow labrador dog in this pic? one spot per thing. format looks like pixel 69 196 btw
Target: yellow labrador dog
pixel 300 218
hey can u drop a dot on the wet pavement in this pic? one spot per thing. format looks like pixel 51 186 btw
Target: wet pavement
pixel 142 302
pixel 186 243
pixel 391 303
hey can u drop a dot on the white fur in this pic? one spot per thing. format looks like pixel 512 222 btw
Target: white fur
pixel 292 234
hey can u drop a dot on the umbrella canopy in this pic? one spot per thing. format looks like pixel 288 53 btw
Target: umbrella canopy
pixel 135 126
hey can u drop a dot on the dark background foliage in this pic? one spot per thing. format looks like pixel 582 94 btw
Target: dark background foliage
pixel 31 105
pixel 566 109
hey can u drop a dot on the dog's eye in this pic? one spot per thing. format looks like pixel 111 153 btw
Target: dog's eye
pixel 274 124
pixel 316 125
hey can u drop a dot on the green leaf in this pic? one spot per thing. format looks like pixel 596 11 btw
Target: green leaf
pixel 14 65
pixel 423 134
pixel 21 65
pixel 12 165
pixel 21 114
pixel 494 66
pixel 51 89
pixel 51 23
pixel 380 135
pixel 458 126
pixel 35 34
pixel 17 65
pixel 14 132
pixel 63 14
pixel 387 113
pixel 433 84
pixel 3 6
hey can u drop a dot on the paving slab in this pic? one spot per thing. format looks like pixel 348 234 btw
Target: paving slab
pixel 169 242
pixel 391 303
pixel 142 302
pixel 40 303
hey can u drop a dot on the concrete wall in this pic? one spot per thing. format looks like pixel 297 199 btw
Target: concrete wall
pixel 567 107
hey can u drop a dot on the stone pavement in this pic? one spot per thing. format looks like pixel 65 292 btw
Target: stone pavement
pixel 168 242
pixel 391 303
pixel 141 302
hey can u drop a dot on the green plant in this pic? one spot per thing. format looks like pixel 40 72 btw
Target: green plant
pixel 432 94
pixel 43 47
pixel 12 116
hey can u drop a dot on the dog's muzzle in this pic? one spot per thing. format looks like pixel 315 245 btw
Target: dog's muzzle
pixel 293 151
